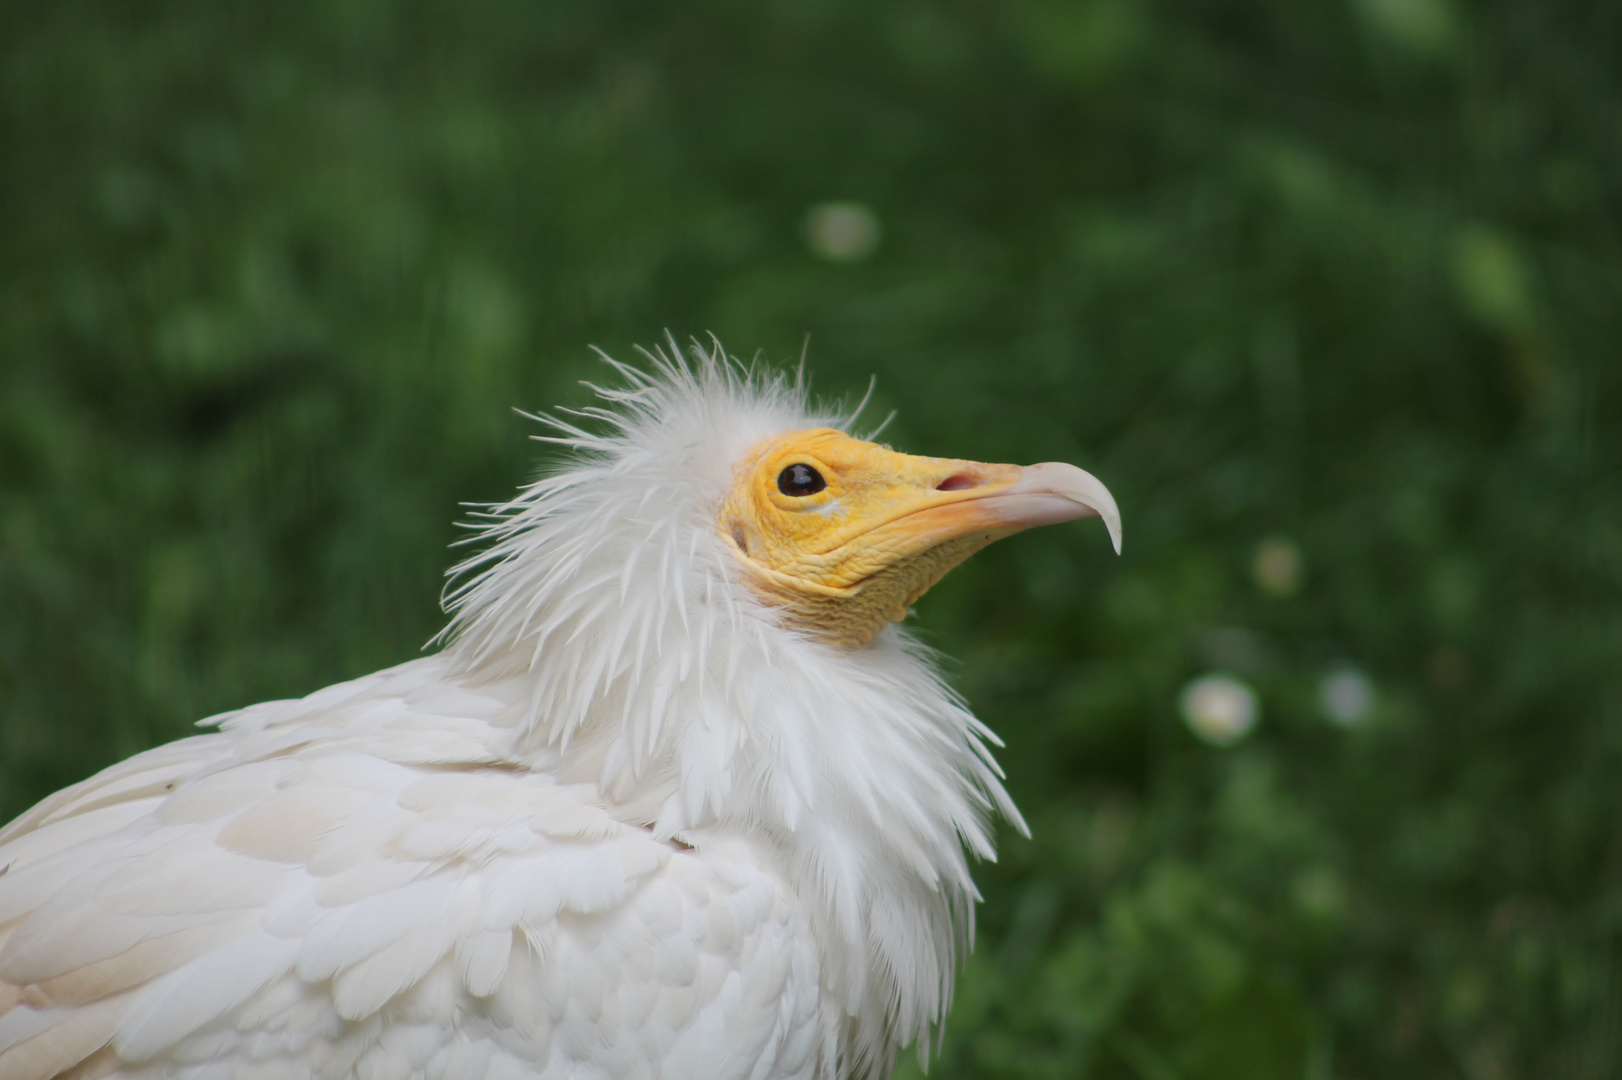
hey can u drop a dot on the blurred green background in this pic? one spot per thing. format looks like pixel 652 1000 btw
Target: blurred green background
pixel 1326 290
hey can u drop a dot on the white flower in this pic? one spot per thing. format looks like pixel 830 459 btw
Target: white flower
pixel 1276 566
pixel 842 232
pixel 1347 696
pixel 1219 708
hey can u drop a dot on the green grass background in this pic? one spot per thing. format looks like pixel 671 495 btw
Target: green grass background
pixel 1342 272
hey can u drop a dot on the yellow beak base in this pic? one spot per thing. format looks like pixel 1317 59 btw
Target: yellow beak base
pixel 843 536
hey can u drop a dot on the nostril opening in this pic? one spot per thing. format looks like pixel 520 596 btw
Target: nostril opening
pixel 956 482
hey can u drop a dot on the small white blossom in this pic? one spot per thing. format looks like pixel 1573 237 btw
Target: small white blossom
pixel 1219 708
pixel 1276 566
pixel 1347 696
pixel 842 232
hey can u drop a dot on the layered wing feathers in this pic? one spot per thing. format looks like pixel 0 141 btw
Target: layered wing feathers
pixel 360 884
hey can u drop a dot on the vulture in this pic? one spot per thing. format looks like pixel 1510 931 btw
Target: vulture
pixel 676 797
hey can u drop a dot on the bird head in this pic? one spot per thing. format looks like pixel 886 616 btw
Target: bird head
pixel 718 525
pixel 842 535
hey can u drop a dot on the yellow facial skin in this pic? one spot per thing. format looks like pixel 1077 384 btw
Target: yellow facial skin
pixel 842 562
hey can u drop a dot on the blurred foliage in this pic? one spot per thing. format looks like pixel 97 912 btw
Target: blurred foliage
pixel 1341 277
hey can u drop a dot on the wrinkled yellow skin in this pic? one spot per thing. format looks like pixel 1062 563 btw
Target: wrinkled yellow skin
pixel 843 562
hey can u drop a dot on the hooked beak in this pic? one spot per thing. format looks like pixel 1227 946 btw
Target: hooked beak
pixel 1049 493
pixel 993 501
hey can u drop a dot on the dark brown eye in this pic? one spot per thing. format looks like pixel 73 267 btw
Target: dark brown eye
pixel 799 480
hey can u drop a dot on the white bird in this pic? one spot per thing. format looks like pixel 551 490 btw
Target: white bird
pixel 677 799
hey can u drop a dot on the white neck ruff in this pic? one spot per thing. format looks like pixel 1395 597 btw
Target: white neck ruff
pixel 617 619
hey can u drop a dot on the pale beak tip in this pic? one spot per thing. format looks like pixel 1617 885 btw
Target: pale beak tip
pixel 1111 516
pixel 1078 487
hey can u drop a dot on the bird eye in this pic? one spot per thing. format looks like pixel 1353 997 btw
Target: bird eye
pixel 800 480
